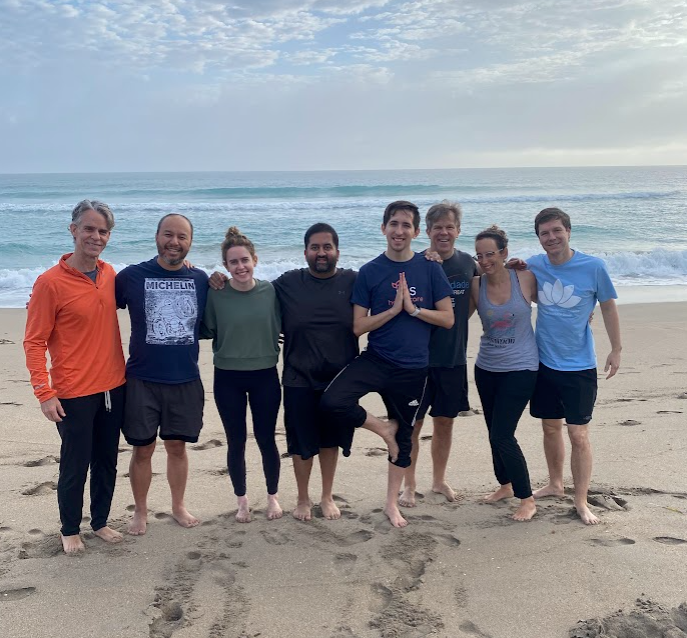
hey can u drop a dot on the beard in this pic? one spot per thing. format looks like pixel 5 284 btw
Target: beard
pixel 171 261
pixel 322 266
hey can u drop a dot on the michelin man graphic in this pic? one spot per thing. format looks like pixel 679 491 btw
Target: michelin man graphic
pixel 170 313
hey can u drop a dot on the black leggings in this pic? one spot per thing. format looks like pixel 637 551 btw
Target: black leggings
pixel 233 388
pixel 504 397
pixel 90 437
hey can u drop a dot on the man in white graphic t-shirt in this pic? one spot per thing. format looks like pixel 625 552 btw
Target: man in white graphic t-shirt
pixel 569 283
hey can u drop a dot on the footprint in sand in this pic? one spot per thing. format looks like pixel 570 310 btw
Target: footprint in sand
pixel 16 594
pixel 41 489
pixel 46 460
pixel 426 437
pixel 376 451
pixel 345 562
pixel 609 502
pixel 447 539
pixel 273 537
pixel 630 422
pixel 361 536
pixel 46 547
pixel 470 628
pixel 611 542
pixel 670 540
pixel 208 445
pixel 669 412
pixel 284 455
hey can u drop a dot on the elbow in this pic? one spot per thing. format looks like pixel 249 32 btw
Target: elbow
pixel 357 331
pixel 449 321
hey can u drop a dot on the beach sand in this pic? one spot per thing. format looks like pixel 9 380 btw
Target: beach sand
pixel 457 569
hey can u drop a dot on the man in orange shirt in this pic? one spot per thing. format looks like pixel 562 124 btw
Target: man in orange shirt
pixel 72 314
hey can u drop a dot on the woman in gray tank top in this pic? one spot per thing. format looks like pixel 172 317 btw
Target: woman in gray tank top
pixel 507 363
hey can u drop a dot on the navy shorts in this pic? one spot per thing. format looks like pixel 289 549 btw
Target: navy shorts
pixel 307 428
pixel 564 394
pixel 175 409
pixel 446 392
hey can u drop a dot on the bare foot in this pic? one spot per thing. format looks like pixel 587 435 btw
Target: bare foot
pixel 394 515
pixel 407 497
pixel 329 509
pixel 274 510
pixel 72 545
pixel 390 439
pixel 505 491
pixel 445 489
pixel 182 516
pixel 302 511
pixel 586 515
pixel 108 535
pixel 243 513
pixel 138 524
pixel 526 510
pixel 548 490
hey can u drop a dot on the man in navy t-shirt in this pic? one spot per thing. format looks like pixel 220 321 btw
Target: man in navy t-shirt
pixel 166 300
pixel 397 298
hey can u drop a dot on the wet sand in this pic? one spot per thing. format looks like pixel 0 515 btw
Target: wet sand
pixel 457 570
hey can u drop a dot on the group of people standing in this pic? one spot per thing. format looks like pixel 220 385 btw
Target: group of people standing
pixel 415 310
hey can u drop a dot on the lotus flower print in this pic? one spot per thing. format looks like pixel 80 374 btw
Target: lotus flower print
pixel 558 295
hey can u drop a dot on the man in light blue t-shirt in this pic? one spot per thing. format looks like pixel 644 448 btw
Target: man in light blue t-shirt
pixel 569 283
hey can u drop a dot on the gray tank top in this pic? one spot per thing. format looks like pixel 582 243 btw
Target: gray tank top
pixel 508 342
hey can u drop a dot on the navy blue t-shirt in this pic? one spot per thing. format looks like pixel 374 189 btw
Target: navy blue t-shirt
pixel 404 340
pixel 166 308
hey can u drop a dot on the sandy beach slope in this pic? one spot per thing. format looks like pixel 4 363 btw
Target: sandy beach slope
pixel 456 570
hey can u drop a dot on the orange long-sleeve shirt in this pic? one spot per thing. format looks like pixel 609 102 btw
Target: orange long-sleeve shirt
pixel 76 321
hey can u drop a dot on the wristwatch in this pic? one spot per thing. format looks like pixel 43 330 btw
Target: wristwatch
pixel 416 312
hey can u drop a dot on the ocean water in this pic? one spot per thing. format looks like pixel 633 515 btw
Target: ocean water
pixel 633 217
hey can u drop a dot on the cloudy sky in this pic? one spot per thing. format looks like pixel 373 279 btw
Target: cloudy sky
pixel 333 84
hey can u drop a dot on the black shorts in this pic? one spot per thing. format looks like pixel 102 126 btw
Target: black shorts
pixel 176 409
pixel 307 428
pixel 401 390
pixel 446 392
pixel 564 394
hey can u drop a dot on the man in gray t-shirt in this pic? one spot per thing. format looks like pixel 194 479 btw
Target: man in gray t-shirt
pixel 447 383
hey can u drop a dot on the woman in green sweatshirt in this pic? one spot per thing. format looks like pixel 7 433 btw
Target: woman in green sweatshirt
pixel 244 321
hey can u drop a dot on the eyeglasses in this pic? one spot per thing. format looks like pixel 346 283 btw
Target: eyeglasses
pixel 489 255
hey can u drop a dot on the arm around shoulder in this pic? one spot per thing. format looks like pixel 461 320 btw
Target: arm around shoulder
pixel 528 285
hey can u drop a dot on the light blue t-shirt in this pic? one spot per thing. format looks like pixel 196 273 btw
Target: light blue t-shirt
pixel 567 296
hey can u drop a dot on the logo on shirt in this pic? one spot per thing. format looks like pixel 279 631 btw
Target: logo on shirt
pixel 171 308
pixel 558 295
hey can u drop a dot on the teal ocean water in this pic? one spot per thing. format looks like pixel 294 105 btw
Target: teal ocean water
pixel 633 217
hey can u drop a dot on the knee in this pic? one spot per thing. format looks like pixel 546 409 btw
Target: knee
pixel 266 441
pixel 443 426
pixel 579 436
pixel 176 449
pixel 552 427
pixel 500 442
pixel 330 404
pixel 143 453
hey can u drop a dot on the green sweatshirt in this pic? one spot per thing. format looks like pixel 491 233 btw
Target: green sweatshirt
pixel 244 327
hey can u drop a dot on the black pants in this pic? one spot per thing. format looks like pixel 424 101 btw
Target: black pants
pixel 233 390
pixel 504 397
pixel 90 437
pixel 401 390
